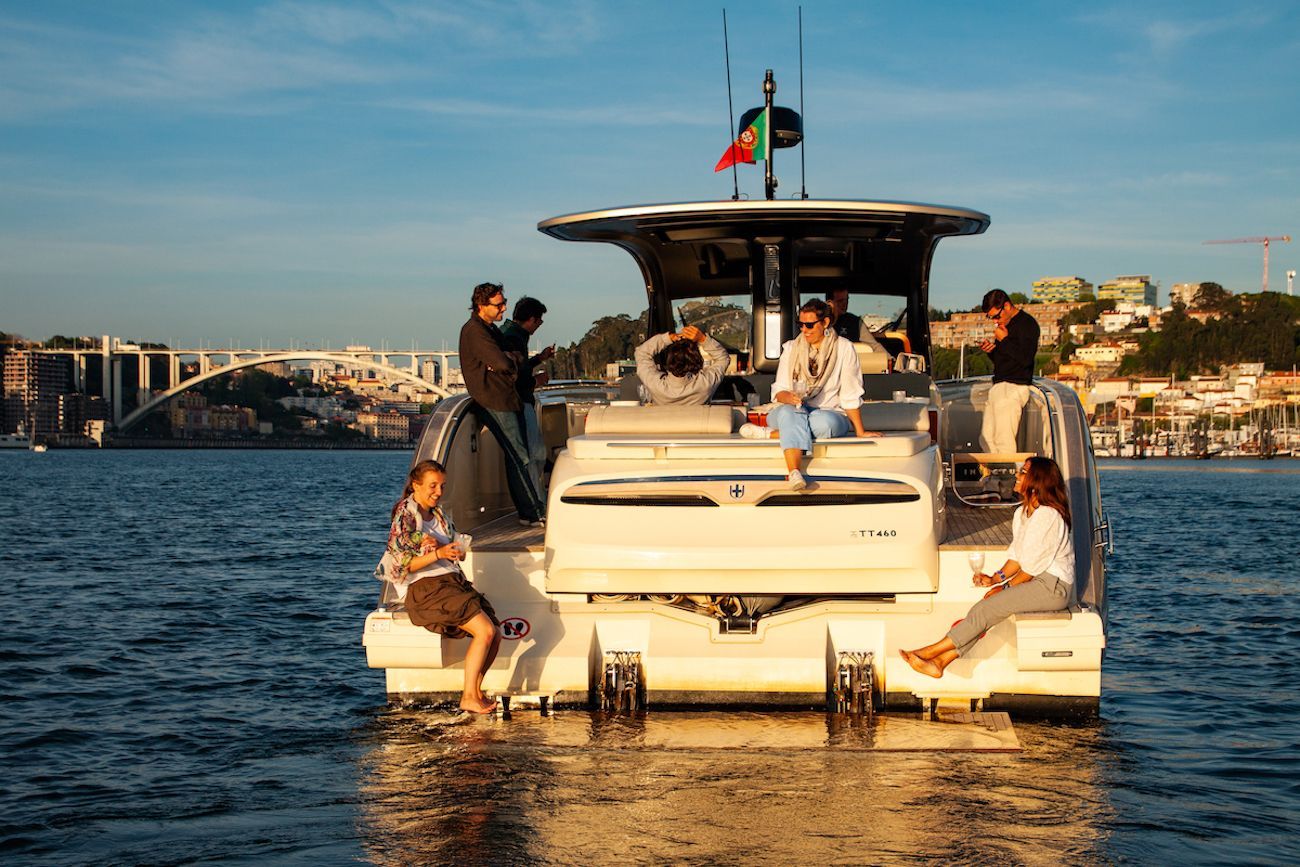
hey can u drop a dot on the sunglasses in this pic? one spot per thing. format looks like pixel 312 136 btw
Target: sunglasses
pixel 502 303
pixel 994 315
pixel 812 324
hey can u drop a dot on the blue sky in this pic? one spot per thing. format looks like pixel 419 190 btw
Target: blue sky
pixel 314 171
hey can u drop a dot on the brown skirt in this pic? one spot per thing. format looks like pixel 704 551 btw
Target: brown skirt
pixel 443 603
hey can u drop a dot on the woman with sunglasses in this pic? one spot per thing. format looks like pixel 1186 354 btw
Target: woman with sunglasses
pixel 1038 574
pixel 818 391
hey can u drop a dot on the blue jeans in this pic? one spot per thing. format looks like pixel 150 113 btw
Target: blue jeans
pixel 799 426
pixel 508 428
pixel 536 448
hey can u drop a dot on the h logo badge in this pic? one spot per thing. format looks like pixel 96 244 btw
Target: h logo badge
pixel 737 491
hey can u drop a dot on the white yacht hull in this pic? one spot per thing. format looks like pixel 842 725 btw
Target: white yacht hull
pixel 790 658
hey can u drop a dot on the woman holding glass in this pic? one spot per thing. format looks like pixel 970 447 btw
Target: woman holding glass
pixel 422 560
pixel 818 391
pixel 1038 574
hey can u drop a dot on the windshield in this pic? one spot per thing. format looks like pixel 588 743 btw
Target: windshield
pixel 879 313
pixel 724 318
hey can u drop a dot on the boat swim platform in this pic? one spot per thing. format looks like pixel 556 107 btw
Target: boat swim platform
pixel 969 528
pixel 987 732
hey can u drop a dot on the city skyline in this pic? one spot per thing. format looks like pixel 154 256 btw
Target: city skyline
pixel 308 171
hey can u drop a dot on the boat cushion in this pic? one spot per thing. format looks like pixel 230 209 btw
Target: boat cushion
pixel 715 420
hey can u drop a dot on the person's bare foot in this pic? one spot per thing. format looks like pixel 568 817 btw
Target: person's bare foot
pixel 924 666
pixel 478 705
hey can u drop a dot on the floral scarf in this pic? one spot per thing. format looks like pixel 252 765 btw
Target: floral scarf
pixel 812 364
pixel 406 541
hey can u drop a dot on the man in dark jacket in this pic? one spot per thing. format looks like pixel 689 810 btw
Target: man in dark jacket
pixel 491 373
pixel 527 319
pixel 1012 349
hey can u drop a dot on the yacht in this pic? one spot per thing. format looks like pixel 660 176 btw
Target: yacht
pixel 16 440
pixel 677 568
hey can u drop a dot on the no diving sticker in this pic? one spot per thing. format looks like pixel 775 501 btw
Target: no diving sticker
pixel 514 628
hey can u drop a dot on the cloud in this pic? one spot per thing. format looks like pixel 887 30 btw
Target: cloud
pixel 215 60
pixel 619 114
pixel 1166 36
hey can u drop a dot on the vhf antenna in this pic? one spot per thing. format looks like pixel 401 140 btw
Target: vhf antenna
pixel 731 116
pixel 803 142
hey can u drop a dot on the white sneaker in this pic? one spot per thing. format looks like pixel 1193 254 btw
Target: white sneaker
pixel 797 481
pixel 752 431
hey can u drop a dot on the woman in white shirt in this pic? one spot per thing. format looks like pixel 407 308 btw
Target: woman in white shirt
pixel 818 390
pixel 1038 574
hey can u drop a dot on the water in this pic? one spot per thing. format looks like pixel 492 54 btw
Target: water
pixel 183 681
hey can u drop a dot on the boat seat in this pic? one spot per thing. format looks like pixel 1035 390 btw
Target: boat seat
pixel 888 415
pixel 871 359
pixel 716 420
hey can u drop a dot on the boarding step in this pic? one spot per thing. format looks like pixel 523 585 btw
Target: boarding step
pixel 949 700
pixel 518 700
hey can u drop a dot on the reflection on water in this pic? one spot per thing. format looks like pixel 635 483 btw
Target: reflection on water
pixel 713 787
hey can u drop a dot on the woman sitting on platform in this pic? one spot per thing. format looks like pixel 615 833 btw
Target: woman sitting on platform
pixel 1038 574
pixel 423 561
pixel 818 390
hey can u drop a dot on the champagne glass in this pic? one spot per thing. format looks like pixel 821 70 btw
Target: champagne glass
pixel 976 560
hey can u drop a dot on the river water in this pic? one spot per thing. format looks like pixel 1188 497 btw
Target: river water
pixel 183 681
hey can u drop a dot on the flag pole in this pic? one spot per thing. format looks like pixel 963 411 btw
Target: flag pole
pixel 769 182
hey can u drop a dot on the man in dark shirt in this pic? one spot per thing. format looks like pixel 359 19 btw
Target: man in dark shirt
pixel 1012 349
pixel 517 331
pixel 846 324
pixel 491 373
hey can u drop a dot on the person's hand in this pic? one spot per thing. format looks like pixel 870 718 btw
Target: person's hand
pixel 979 579
pixel 690 332
pixel 868 433
pixel 541 377
pixel 547 354
pixel 1000 333
pixel 987 346
pixel 450 551
pixel 993 592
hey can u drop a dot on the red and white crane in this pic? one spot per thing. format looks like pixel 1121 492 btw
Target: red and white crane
pixel 1260 240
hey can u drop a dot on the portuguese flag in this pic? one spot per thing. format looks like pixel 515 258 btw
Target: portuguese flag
pixel 751 145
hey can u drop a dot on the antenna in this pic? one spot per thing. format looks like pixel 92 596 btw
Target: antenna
pixel 731 117
pixel 803 174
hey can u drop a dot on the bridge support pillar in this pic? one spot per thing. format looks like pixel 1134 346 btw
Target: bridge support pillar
pixel 173 370
pixel 115 388
pixel 142 380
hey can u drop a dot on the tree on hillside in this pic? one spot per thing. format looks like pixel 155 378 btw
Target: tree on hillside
pixel 1211 296
pixel 1018 298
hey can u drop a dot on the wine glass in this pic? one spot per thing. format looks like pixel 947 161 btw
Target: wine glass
pixel 800 389
pixel 976 560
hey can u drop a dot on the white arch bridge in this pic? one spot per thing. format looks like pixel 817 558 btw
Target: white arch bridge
pixel 219 362
pixel 161 398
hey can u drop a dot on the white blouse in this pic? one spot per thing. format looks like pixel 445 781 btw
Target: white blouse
pixel 843 389
pixel 444 535
pixel 1041 543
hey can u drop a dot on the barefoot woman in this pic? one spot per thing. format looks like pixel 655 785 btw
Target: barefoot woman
pixel 424 563
pixel 1038 574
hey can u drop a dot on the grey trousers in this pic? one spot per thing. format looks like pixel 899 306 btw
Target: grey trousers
pixel 1044 592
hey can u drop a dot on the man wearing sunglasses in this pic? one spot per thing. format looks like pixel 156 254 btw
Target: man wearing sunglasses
pixel 1012 349
pixel 491 373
